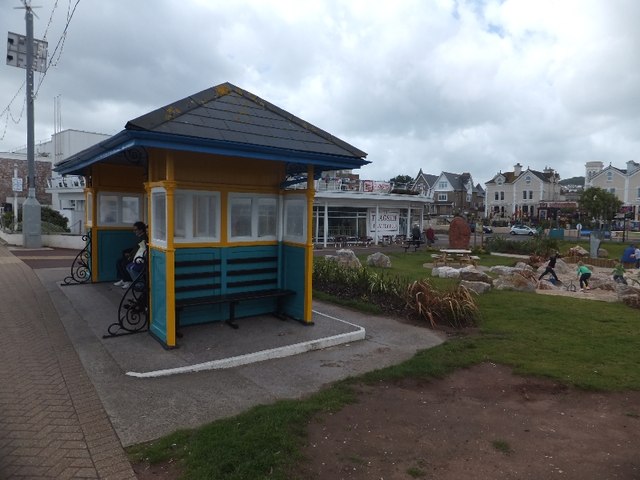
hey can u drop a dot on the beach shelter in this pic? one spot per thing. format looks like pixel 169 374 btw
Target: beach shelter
pixel 224 180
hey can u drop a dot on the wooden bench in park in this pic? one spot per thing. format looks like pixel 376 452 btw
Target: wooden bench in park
pixel 200 283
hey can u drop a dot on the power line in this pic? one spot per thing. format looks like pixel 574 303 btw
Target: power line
pixel 53 62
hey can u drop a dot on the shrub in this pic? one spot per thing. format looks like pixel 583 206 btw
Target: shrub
pixel 537 245
pixel 55 218
pixel 394 294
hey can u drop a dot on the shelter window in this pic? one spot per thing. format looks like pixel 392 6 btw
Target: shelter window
pixel 442 197
pixel 252 217
pixel 90 208
pixel 295 209
pixel 196 216
pixel 117 209
pixel 159 216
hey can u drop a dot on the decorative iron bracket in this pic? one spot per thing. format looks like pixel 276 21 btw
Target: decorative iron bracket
pixel 133 311
pixel 81 266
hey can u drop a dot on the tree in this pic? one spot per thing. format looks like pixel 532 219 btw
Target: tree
pixel 402 180
pixel 599 204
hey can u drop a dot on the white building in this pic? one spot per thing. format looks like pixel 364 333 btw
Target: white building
pixel 624 183
pixel 67 193
pixel 517 195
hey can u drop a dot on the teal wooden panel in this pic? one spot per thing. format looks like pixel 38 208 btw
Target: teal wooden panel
pixel 108 249
pixel 294 277
pixel 158 287
pixel 206 313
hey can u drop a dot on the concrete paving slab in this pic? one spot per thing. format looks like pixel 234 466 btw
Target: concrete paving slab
pixel 143 409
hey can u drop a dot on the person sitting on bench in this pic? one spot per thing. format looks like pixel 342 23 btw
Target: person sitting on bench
pixel 128 256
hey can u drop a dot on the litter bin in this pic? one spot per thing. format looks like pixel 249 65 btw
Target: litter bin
pixel 557 233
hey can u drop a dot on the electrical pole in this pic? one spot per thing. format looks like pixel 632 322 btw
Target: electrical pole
pixel 17 47
pixel 31 226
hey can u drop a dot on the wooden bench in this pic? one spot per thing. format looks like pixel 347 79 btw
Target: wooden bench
pixel 200 283
pixel 407 244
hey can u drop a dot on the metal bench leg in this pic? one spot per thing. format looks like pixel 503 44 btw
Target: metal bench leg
pixel 232 316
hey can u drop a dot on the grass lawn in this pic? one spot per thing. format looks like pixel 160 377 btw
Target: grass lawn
pixel 593 345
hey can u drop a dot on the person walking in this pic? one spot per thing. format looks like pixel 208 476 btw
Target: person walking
pixel 584 274
pixel 551 265
pixel 431 236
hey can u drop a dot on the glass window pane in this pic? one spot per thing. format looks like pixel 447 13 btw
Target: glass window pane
pixel 205 220
pixel 180 216
pixel 159 225
pixel 267 217
pixel 295 219
pixel 130 209
pixel 240 217
pixel 90 208
pixel 108 209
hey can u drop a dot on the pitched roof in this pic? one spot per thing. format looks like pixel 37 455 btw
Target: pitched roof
pixel 226 119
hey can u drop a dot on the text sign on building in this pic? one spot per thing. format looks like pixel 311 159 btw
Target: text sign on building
pixel 17 52
pixel 16 184
pixel 387 222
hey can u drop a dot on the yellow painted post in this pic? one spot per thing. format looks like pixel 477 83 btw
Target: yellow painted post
pixel 170 256
pixel 308 297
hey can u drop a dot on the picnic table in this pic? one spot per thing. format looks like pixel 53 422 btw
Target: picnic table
pixel 455 255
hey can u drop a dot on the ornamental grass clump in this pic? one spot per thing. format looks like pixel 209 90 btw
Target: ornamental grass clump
pixel 385 291
pixel 455 307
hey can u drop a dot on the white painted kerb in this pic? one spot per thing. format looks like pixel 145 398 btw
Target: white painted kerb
pixel 262 355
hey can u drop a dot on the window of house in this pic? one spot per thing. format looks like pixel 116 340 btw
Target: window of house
pixel 117 209
pixel 638 193
pixel 527 179
pixel 442 197
pixel 612 190
pixel 496 196
pixel 253 217
pixel 609 176
pixel 530 194
pixel 501 195
pixel 159 216
pixel 295 218
pixel 442 185
pixel 196 216
pixel 524 195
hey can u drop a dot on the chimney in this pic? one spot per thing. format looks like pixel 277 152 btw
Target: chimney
pixel 517 169
pixel 632 166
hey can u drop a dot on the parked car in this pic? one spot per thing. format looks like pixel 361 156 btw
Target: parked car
pixel 485 228
pixel 522 230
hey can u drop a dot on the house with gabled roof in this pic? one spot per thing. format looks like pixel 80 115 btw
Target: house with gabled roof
pixel 211 175
pixel 517 195
pixel 623 182
pixel 455 194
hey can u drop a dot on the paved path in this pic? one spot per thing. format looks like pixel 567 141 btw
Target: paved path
pixel 52 423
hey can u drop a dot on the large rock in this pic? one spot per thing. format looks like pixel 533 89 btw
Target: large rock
pixel 504 270
pixel 459 233
pixel 346 258
pixel 472 274
pixel 478 287
pixel 516 281
pixel 379 259
pixel 445 272
pixel 602 253
pixel 578 251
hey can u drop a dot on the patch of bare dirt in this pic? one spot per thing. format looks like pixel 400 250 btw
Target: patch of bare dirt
pixel 479 423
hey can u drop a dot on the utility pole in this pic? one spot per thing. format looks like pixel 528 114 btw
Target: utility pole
pixel 17 47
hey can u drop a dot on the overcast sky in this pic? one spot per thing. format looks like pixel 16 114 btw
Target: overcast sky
pixel 458 86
